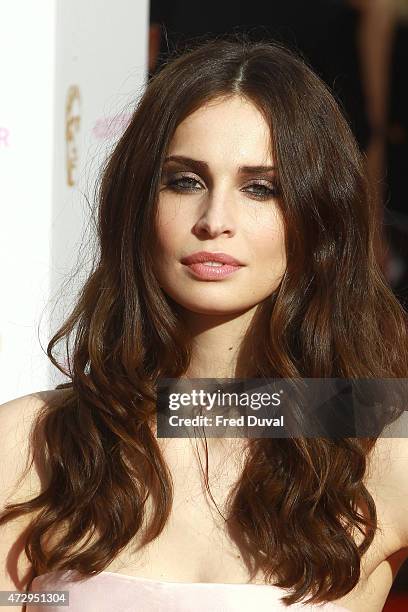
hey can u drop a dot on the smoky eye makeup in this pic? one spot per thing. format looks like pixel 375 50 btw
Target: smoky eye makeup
pixel 180 179
pixel 183 182
pixel 174 174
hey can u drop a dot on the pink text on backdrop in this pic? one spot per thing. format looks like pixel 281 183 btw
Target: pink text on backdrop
pixel 4 137
pixel 108 127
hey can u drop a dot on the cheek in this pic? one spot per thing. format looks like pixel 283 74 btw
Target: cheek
pixel 270 253
pixel 169 222
pixel 169 237
pixel 267 239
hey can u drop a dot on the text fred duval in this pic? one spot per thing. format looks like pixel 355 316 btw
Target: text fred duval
pixel 248 420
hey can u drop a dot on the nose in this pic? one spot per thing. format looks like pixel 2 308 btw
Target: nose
pixel 217 217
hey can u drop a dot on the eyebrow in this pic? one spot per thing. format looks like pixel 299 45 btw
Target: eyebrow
pixel 202 166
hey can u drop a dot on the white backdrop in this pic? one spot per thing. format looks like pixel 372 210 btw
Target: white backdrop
pixel 71 73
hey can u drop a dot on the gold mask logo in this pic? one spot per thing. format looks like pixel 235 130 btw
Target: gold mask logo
pixel 72 125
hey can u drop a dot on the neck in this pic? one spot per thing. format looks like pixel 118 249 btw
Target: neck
pixel 216 343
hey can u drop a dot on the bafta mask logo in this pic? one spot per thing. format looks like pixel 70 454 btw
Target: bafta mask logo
pixel 72 125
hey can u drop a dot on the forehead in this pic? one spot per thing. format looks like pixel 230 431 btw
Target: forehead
pixel 230 128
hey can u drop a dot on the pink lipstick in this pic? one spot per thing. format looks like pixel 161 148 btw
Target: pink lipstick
pixel 211 266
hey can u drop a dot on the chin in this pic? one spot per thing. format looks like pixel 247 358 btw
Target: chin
pixel 215 307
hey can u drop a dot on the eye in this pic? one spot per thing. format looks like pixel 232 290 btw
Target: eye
pixel 183 183
pixel 257 190
pixel 264 191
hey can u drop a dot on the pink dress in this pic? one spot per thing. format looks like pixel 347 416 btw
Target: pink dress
pixel 113 592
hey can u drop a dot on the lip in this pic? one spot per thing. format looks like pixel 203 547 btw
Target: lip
pixel 203 256
pixel 196 264
pixel 203 271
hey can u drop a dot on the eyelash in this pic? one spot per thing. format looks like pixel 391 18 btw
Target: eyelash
pixel 272 191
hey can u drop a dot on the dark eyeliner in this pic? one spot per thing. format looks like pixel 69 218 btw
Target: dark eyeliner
pixel 271 191
pixel 172 181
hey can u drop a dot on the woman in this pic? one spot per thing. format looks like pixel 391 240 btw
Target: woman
pixel 235 148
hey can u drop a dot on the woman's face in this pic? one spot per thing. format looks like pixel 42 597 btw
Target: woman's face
pixel 211 200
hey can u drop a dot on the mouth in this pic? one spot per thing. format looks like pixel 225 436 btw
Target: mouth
pixel 211 259
pixel 209 271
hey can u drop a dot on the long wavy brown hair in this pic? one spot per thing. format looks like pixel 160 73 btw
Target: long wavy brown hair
pixel 333 314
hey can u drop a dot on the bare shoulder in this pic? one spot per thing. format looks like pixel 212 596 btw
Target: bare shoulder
pixel 21 410
pixel 20 480
pixel 387 479
pixel 17 419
